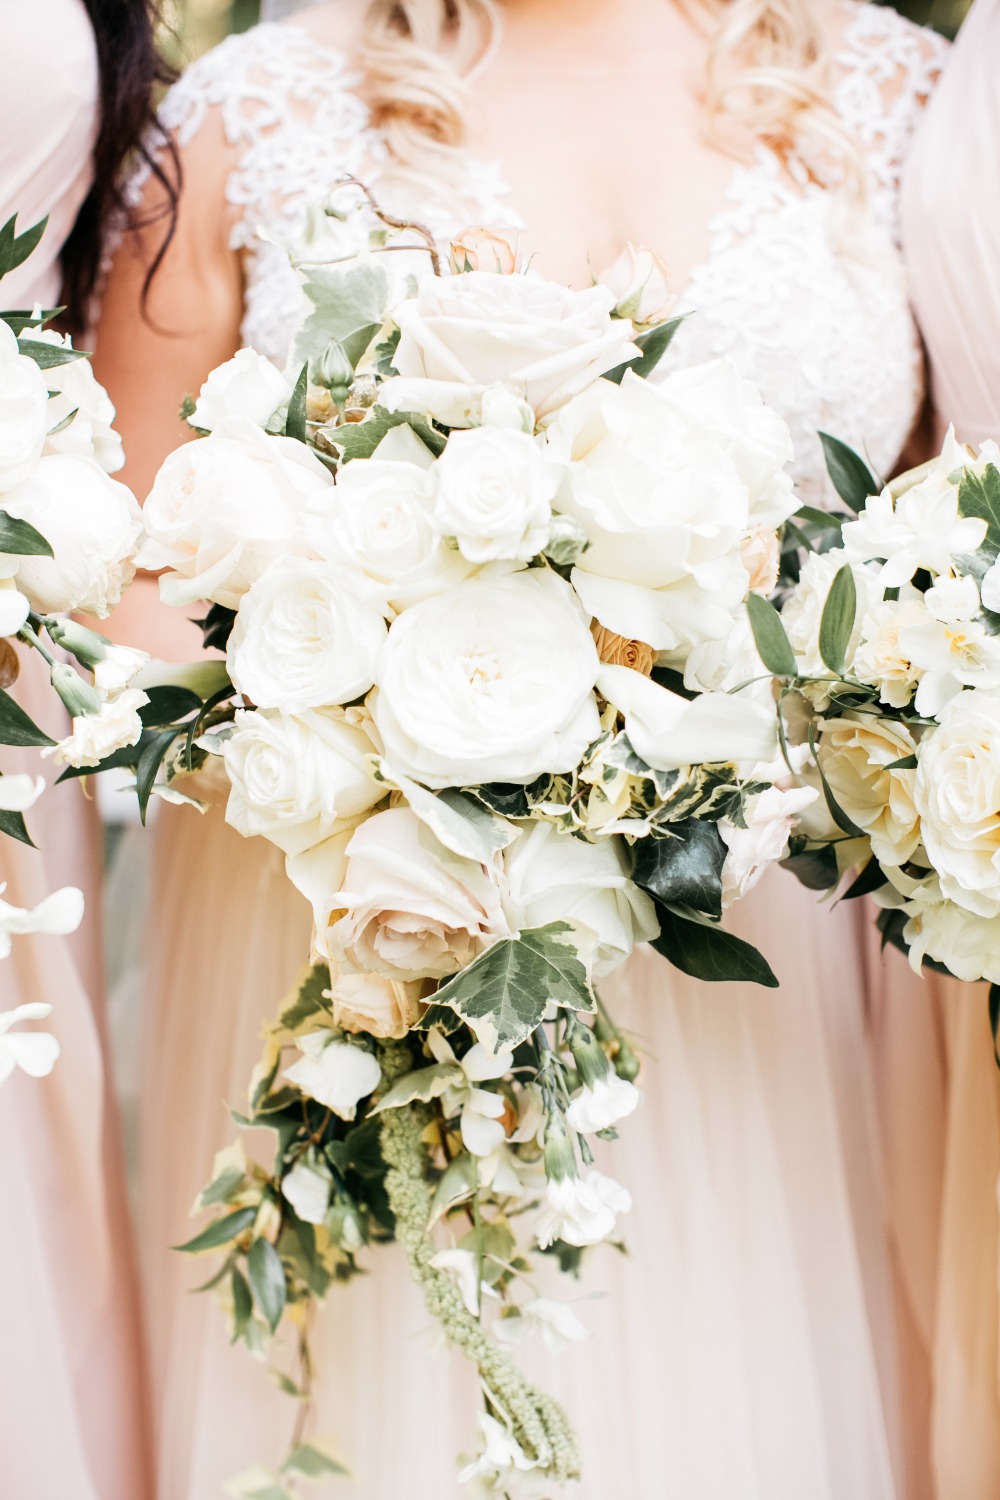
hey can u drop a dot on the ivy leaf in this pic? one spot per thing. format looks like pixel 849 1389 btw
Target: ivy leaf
pixel 773 646
pixel 685 867
pixel 15 726
pixel 979 496
pixel 849 474
pixel 503 994
pixel 221 1232
pixel 21 538
pixel 707 952
pixel 267 1279
pixel 424 1084
pixel 307 998
pixel 360 439
pixel 837 621
pixel 348 305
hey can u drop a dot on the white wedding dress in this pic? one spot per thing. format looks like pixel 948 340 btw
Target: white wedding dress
pixel 748 1347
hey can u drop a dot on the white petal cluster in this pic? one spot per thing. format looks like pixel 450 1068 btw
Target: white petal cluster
pixel 335 1073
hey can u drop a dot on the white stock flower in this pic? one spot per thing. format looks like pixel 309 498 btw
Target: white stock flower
pixel 296 780
pixel 922 529
pixel 481 1110
pixel 495 493
pixel 75 389
pixel 462 334
pixel 957 794
pixel 880 659
pixel 552 876
pixel 33 1051
pixel 223 508
pixel 950 655
pixel 247 386
pixel 59 914
pixel 95 736
pixel 336 1074
pixel 19 793
pixel 410 908
pixel 770 819
pixel 306 636
pixel 24 418
pixel 639 283
pixel 14 608
pixel 580 1210
pixel 803 612
pixel 93 525
pixel 490 682
pixel 668 731
pixel 308 1187
pixel 602 1104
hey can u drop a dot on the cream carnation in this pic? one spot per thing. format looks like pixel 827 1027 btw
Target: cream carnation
pixel 95 736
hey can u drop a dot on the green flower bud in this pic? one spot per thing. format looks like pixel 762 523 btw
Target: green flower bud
pixel 86 645
pixel 588 1054
pixel 78 696
pixel 334 371
pixel 560 1159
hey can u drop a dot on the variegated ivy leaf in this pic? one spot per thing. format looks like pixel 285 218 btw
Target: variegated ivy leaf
pixel 424 1084
pixel 314 1459
pixel 306 998
pixel 458 1183
pixel 456 820
pixel 503 995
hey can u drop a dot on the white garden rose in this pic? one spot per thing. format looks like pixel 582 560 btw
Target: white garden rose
pixel 770 818
pixel 803 613
pixel 855 752
pixel 639 282
pixel 306 637
pixel 93 525
pixel 410 908
pixel 95 736
pixel 222 509
pixel 247 386
pixel 490 682
pixel 957 794
pixel 553 877
pixel 74 388
pixel 540 340
pixel 24 416
pixel 297 780
pixel 336 1074
pixel 495 488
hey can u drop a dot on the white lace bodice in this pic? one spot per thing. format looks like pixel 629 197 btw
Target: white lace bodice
pixel 825 333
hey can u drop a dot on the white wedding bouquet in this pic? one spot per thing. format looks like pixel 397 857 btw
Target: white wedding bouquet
pixel 887 649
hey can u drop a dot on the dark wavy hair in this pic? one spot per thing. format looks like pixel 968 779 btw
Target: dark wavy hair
pixel 131 72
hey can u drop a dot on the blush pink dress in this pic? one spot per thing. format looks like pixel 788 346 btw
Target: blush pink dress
pixel 71 1377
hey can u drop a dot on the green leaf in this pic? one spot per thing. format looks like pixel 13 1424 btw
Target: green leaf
pixel 424 1084
pixel 22 538
pixel 458 821
pixel 222 1187
pixel 308 999
pixel 149 764
pixel 816 869
pixel 825 520
pixel 49 356
pixel 773 645
pixel 685 867
pixel 360 439
pixel 313 1461
pixel 242 1303
pixel 13 824
pixel 994 1003
pixel 167 704
pixel 267 1278
pixel 837 622
pixel 654 344
pixel 871 878
pixel 15 726
pixel 216 627
pixel 905 763
pixel 220 1232
pixel 708 952
pixel 25 244
pixel 849 474
pixel 295 423
pixel 503 994
pixel 979 496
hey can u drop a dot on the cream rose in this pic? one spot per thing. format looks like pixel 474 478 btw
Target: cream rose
pixel 374 1004
pixel 495 488
pixel 761 556
pixel 410 908
pixel 957 794
pixel 299 780
pixel 24 415
pixel 855 752
pixel 491 682
pixel 639 282
pixel 222 509
pixel 305 637
pixel 475 249
pixel 248 386
pixel 75 389
pixel 617 651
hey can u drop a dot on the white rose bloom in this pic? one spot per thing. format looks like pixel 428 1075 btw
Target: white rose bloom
pixel 24 415
pixel 540 340
pixel 334 1073
pixel 922 529
pixel 668 731
pixel 14 608
pixel 247 386
pixel 495 493
pixel 410 908
pixel 305 637
pixel 297 780
pixel 19 793
pixel 222 509
pixel 93 525
pixel 95 736
pixel 802 614
pixel 33 1051
pixel 308 1187
pixel 770 818
pixel 950 656
pixel 602 1104
pixel 490 682
pixel 59 914
pixel 957 794
pixel 553 877
pixel 968 945
pixel 580 1210
pixel 880 659
pixel 639 282
pixel 91 433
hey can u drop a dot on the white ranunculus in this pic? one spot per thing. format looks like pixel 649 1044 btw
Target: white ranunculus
pixel 374 1004
pixel 640 284
pixel 749 851
pixel 34 1051
pixel 949 656
pixel 968 945
pixel 95 736
pixel 308 1187
pixel 19 793
pixel 14 608
pixel 490 682
pixel 297 780
pixel 91 432
pixel 24 417
pixel 495 493
pixel 93 525
pixel 602 1104
pixel 410 908
pixel 803 613
pixel 920 529
pixel 580 1210
pixel 553 877
pixel 668 731
pixel 542 341
pixel 336 1074
pixel 222 509
pixel 880 658
pixel 246 386
pixel 306 636
pixel 957 794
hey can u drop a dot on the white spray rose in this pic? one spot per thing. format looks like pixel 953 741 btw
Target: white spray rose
pixel 410 908
pixel 491 682
pixel 580 1210
pixel 640 285
pixel 57 916
pixel 495 493
pixel 93 525
pixel 24 417
pixel 35 1052
pixel 334 1073
pixel 957 794
pixel 297 780
pixel 749 851
pixel 553 877
pixel 222 509
pixel 95 736
pixel 305 637
pixel 247 386
pixel 91 433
